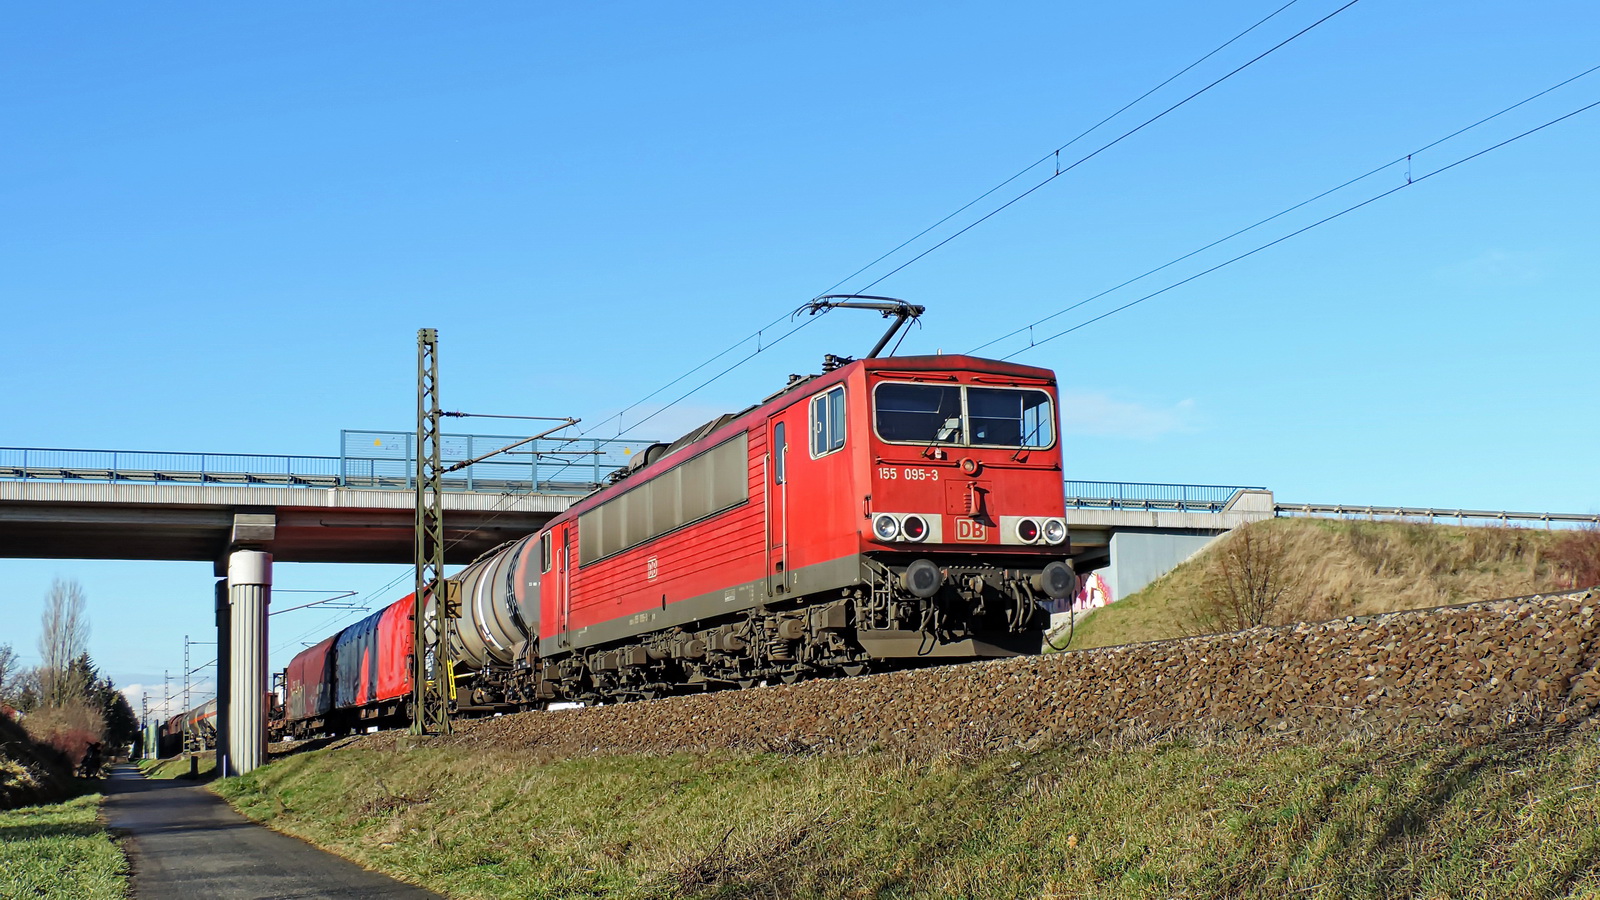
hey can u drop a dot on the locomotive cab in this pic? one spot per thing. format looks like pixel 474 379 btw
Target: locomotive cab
pixel 930 489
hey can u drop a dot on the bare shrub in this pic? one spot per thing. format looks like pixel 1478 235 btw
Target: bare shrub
pixel 69 727
pixel 1576 557
pixel 1251 582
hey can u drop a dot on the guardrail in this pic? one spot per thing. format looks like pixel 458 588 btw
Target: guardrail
pixel 1433 514
pixel 369 459
pixel 1136 495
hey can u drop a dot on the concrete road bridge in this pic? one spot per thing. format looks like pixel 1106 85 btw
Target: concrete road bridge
pixel 358 506
pixel 242 511
pixel 355 507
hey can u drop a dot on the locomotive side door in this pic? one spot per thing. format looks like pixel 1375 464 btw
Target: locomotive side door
pixel 564 578
pixel 777 525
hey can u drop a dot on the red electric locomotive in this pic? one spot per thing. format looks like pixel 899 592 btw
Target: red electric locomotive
pixel 886 513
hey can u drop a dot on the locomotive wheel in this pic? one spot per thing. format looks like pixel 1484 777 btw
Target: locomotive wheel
pixel 853 669
pixel 746 684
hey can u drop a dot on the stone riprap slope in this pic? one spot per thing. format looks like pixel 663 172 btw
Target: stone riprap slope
pixel 1466 669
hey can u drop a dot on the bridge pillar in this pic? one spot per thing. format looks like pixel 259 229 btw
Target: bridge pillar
pixel 224 674
pixel 249 592
pixel 1139 557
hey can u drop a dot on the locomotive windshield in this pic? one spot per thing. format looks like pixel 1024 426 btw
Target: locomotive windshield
pixel 964 415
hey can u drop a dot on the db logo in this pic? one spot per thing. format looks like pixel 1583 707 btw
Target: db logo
pixel 650 569
pixel 969 530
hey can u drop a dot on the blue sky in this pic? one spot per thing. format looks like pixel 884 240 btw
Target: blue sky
pixel 223 225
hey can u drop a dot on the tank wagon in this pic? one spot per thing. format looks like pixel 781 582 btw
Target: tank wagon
pixel 194 729
pixel 886 513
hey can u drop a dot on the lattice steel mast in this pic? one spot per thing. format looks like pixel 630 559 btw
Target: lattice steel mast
pixel 433 675
pixel 433 672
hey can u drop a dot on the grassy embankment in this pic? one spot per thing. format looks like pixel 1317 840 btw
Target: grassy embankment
pixel 61 852
pixel 178 766
pixel 51 850
pixel 1350 568
pixel 1509 817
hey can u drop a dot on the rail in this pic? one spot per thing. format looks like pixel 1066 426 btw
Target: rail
pixel 1134 495
pixel 1433 514
pixel 374 460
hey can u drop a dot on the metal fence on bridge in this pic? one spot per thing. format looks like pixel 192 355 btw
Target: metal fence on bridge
pixel 1151 496
pixel 387 459
pixel 367 459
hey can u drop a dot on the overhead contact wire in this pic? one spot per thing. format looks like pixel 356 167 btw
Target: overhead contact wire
pixel 1112 143
pixel 1370 200
pixel 1055 154
pixel 757 334
pixel 1281 213
pixel 500 507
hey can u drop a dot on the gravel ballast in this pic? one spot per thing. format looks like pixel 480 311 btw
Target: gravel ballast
pixel 1466 669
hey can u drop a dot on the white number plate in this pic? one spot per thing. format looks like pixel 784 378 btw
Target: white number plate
pixel 890 473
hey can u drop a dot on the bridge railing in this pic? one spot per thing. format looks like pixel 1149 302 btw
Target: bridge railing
pixel 384 460
pixel 1434 514
pixel 51 464
pixel 387 459
pixel 1151 496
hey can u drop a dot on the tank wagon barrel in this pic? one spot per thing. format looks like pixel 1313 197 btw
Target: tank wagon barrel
pixel 195 729
pixel 887 513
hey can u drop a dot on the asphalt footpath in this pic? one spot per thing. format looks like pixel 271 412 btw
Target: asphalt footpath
pixel 184 841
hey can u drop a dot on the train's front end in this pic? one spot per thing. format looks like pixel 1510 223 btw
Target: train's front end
pixel 964 525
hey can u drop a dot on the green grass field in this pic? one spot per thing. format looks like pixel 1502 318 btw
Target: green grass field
pixel 1512 817
pixel 60 851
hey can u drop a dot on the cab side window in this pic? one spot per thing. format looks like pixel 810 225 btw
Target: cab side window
pixel 827 422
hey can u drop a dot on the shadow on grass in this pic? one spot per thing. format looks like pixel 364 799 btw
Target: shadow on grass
pixel 42 832
pixel 1421 795
pixel 284 750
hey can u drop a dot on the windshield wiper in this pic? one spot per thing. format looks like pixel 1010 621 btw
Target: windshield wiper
pixel 950 428
pixel 1032 436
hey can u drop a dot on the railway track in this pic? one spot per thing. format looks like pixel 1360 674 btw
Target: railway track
pixel 1461 668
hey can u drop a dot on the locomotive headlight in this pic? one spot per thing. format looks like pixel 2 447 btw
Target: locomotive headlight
pixel 915 528
pixel 885 527
pixel 1027 530
pixel 1055 531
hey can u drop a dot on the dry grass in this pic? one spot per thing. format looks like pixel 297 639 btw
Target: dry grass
pixel 1353 568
